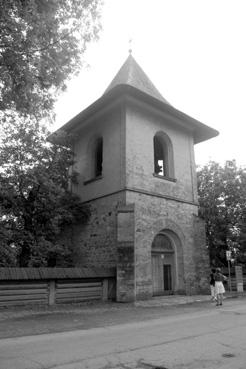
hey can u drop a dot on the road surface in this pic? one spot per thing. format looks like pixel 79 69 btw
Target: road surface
pixel 214 337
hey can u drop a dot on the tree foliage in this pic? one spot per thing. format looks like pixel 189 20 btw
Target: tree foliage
pixel 222 199
pixel 42 43
pixel 36 203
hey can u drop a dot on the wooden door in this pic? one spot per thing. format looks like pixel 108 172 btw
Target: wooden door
pixel 157 275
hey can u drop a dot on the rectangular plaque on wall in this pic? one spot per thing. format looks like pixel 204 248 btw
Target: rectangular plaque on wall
pixel 125 227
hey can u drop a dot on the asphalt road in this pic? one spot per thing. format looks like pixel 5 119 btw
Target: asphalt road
pixel 202 337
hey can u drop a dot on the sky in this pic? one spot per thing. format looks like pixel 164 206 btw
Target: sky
pixel 194 51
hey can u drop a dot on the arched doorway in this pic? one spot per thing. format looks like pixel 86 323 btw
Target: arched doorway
pixel 163 265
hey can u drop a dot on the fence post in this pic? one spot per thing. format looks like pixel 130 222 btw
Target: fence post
pixel 105 289
pixel 52 292
pixel 239 278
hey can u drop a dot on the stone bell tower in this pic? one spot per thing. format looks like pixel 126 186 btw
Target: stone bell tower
pixel 135 158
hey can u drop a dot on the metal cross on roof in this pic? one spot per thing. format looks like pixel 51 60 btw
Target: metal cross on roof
pixel 130 45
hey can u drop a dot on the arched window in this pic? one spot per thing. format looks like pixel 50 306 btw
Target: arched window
pixel 95 159
pixel 162 243
pixel 163 156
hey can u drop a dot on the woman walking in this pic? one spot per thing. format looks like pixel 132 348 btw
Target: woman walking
pixel 219 287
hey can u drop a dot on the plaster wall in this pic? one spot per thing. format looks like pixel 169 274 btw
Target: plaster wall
pixel 110 127
pixel 141 127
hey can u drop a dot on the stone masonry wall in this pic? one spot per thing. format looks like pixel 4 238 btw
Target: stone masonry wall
pixel 152 215
pixel 125 289
pixel 95 244
pixel 201 256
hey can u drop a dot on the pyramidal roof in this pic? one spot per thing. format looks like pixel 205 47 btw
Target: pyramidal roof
pixel 131 79
pixel 132 74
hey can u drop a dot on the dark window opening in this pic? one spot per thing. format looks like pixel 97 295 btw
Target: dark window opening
pixel 98 157
pixel 167 277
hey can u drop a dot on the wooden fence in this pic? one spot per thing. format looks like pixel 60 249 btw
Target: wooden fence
pixel 233 283
pixel 24 286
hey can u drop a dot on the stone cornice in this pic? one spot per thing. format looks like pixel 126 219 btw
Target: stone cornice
pixel 147 193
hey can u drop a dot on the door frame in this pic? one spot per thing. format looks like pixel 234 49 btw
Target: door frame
pixel 158 280
pixel 162 253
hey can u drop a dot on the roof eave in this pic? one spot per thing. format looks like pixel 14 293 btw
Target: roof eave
pixel 201 132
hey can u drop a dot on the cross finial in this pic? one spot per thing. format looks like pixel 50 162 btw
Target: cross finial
pixel 130 45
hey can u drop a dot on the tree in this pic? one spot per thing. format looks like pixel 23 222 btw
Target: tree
pixel 36 203
pixel 222 199
pixel 42 43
